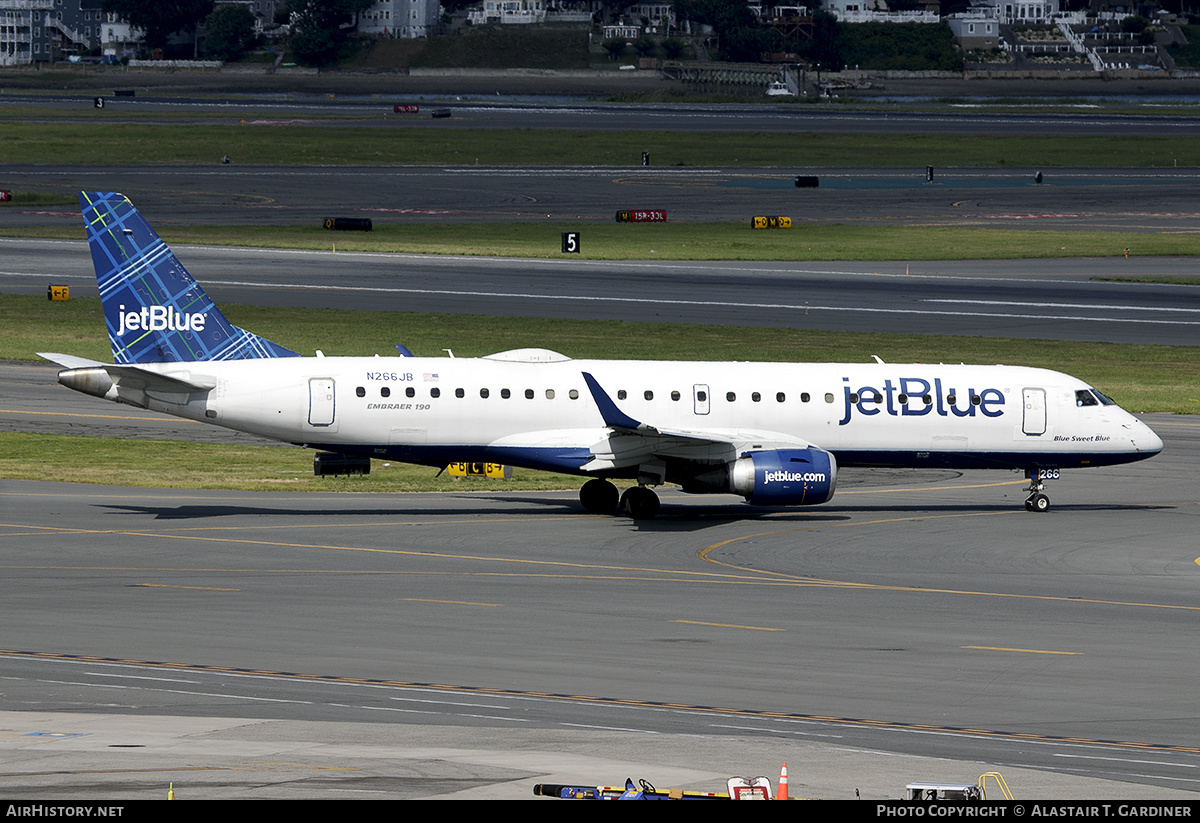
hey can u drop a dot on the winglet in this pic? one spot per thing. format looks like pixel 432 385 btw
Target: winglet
pixel 613 417
pixel 155 311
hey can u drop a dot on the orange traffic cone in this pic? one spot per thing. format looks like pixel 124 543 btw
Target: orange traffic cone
pixel 782 793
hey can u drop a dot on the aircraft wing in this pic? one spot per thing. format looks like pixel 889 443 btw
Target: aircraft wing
pixel 631 442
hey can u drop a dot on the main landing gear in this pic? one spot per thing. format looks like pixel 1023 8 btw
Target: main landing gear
pixel 601 497
pixel 639 502
pixel 1038 500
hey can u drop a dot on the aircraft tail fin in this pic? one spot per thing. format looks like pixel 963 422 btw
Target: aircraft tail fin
pixel 154 310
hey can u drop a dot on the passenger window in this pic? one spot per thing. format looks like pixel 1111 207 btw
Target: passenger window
pixel 974 400
pixel 702 396
pixel 549 394
pixel 951 399
pixel 621 395
pixel 927 399
pixel 828 397
pixel 505 393
pixel 779 397
pixel 573 394
pixel 853 396
pixel 730 396
pixel 878 397
pixel 529 394
pixel 410 392
pixel 435 393
pixel 459 393
pixel 360 391
pixel 483 393
pixel 649 395
pixel 385 392
pixel 756 397
pixel 674 395
pixel 903 399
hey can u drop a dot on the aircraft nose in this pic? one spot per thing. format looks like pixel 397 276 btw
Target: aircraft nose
pixel 1145 439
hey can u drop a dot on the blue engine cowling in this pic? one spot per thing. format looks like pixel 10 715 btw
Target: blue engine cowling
pixel 787 477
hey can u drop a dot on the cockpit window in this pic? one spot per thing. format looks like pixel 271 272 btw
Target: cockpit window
pixel 1104 401
pixel 1083 397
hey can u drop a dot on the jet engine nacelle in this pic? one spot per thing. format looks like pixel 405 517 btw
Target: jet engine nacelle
pixel 786 477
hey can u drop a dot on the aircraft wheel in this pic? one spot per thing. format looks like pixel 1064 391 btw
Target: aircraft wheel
pixel 1039 503
pixel 599 496
pixel 639 503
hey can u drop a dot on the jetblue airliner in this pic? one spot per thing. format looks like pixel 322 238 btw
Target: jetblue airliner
pixel 774 433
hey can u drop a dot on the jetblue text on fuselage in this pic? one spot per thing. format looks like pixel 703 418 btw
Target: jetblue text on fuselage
pixel 159 318
pixel 916 397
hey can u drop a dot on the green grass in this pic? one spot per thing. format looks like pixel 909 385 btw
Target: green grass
pixel 409 140
pixel 1187 55
pixel 608 240
pixel 184 465
pixel 1141 378
pixel 25 199
pixel 1171 281
pixel 489 48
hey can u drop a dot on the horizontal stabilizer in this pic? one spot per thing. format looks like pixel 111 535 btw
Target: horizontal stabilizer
pixel 69 361
pixel 100 379
pixel 138 378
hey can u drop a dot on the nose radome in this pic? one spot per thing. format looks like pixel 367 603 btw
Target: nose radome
pixel 1145 439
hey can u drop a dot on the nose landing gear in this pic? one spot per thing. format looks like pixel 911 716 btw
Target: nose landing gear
pixel 1038 500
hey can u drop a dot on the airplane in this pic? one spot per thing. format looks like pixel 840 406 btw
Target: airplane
pixel 773 433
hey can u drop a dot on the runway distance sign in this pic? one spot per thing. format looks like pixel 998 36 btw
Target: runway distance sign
pixel 642 216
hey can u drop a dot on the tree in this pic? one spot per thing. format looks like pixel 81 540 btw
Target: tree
pixel 824 51
pixel 735 24
pixel 644 45
pixel 320 27
pixel 159 19
pixel 614 46
pixel 230 31
pixel 674 47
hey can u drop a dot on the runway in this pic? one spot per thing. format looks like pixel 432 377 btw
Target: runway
pixel 1068 299
pixel 919 614
pixel 567 109
pixel 1106 199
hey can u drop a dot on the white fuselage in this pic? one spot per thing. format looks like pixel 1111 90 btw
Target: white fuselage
pixel 534 408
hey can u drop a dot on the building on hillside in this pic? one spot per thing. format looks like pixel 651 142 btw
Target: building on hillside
pixel 508 12
pixel 1018 11
pixel 975 31
pixel 657 17
pixel 405 19
pixel 876 11
pixel 37 31
pixel 625 31
pixel 21 23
